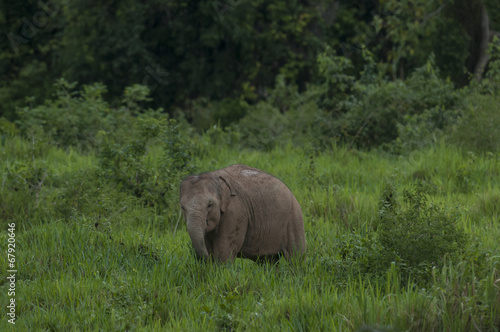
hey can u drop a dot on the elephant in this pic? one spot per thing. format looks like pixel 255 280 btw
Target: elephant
pixel 241 211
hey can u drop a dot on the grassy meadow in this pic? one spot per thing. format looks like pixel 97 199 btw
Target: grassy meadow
pixel 382 117
pixel 104 261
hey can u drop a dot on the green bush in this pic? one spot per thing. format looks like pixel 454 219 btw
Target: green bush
pixel 216 138
pixel 363 112
pixel 25 174
pixel 380 111
pixel 142 156
pixel 87 193
pixel 421 130
pixel 478 129
pixel 129 163
pixel 73 118
pixel 7 128
pixel 286 117
pixel 203 114
pixel 227 311
pixel 419 235
pixel 360 255
pixel 265 127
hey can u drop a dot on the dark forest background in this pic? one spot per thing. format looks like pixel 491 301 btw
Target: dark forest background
pixel 351 65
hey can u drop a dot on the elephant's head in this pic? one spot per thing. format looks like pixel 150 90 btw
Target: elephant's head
pixel 203 198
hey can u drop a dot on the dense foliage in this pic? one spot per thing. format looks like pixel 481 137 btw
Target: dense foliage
pixel 228 50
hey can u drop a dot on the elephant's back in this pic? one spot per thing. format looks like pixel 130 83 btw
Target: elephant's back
pixel 263 188
pixel 250 176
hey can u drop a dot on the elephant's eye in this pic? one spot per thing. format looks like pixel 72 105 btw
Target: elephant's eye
pixel 210 204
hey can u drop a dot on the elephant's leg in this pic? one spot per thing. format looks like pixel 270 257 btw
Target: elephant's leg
pixel 296 247
pixel 209 244
pixel 229 238
pixel 226 249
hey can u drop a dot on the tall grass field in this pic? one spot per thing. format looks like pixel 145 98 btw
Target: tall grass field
pixel 395 243
pixel 382 117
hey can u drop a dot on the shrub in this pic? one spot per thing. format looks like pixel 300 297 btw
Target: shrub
pixel 265 127
pixel 72 118
pixel 142 156
pixel 149 162
pixel 336 83
pixel 216 138
pixel 478 129
pixel 380 111
pixel 227 311
pixel 7 128
pixel 25 174
pixel 286 116
pixel 365 112
pixel 422 130
pixel 262 127
pixel 418 234
pixel 86 193
pixel 204 114
pixel 360 255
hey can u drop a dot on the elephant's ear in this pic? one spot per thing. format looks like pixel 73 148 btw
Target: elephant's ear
pixel 226 193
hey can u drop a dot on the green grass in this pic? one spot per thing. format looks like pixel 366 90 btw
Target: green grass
pixel 120 266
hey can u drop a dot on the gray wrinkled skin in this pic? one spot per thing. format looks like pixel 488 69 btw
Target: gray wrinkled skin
pixel 240 211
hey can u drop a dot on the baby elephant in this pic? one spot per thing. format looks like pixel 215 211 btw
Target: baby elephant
pixel 240 211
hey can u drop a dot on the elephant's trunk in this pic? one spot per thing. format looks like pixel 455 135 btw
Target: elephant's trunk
pixel 196 228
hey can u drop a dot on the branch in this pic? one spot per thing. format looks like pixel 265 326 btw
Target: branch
pixel 434 13
pixel 38 187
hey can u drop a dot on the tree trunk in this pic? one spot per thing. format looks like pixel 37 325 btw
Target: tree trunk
pixel 482 59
